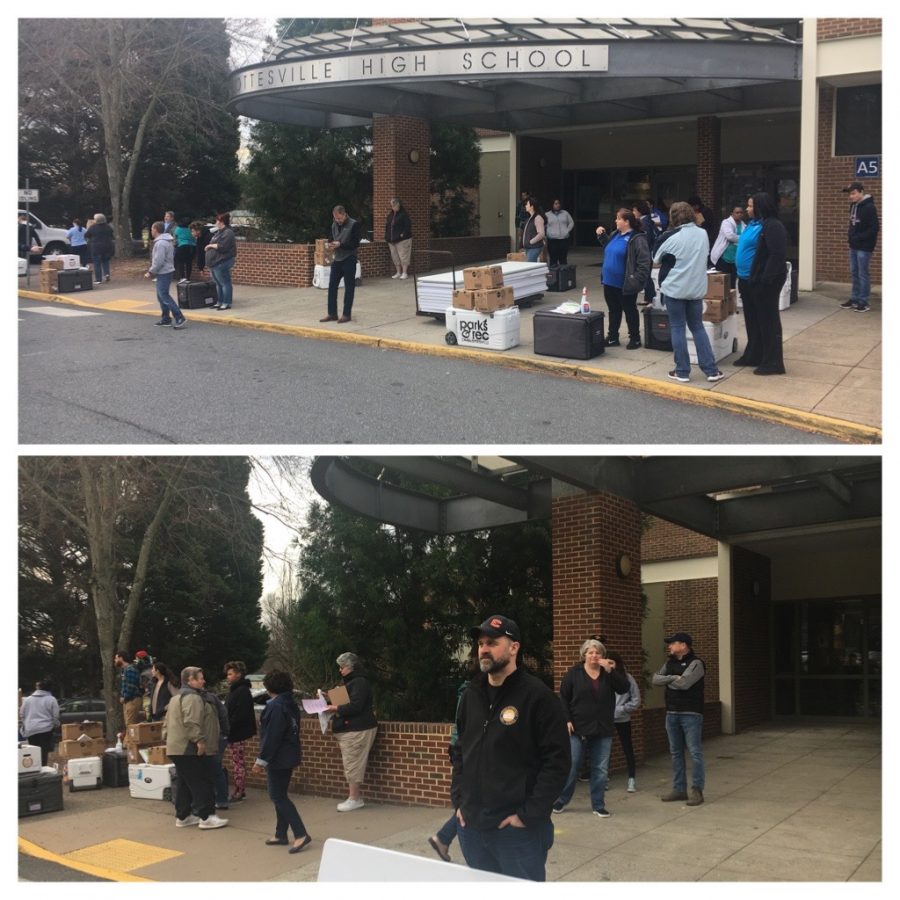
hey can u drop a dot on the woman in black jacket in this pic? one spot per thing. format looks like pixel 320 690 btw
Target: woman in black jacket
pixel 354 728
pixel 588 695
pixel 241 722
pixel 165 686
pixel 279 755
pixel 767 278
pixel 398 234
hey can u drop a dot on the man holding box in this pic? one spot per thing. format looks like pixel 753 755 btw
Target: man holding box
pixel 344 241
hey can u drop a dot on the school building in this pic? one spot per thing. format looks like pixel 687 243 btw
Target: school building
pixel 598 113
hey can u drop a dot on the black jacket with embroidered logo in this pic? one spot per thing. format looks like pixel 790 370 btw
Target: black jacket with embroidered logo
pixel 513 754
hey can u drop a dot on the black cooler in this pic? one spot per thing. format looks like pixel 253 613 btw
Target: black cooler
pixel 71 280
pixel 40 792
pixel 569 335
pixel 657 335
pixel 561 278
pixel 115 768
pixel 197 294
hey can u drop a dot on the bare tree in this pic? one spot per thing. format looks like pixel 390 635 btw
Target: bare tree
pixel 136 75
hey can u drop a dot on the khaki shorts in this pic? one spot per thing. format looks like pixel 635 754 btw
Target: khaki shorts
pixel 355 747
pixel 401 252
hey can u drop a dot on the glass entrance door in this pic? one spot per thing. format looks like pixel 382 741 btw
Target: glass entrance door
pixel 827 658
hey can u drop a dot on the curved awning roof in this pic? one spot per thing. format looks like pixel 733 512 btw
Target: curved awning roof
pixel 728 498
pixel 524 74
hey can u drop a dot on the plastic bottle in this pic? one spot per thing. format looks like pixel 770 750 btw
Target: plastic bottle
pixel 585 304
pixel 119 746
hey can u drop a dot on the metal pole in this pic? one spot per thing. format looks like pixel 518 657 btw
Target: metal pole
pixel 27 235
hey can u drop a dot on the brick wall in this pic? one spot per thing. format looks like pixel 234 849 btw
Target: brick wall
pixel 664 540
pixel 834 29
pixel 408 764
pixel 709 159
pixel 833 174
pixel 292 265
pixel 752 653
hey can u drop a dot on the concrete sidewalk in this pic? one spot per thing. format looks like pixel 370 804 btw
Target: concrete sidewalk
pixel 833 356
pixel 783 803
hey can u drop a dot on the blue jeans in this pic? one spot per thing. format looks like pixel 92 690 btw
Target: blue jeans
pixel 599 748
pixel 686 730
pixel 346 269
pixel 448 831
pixel 101 267
pixel 859 276
pixel 285 812
pixel 221 273
pixel 520 852
pixel 166 303
pixel 533 254
pixel 689 314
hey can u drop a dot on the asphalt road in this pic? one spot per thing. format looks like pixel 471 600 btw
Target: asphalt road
pixel 33 869
pixel 87 377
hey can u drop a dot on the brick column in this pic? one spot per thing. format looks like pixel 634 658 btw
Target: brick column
pixel 709 160
pixel 589 597
pixel 395 175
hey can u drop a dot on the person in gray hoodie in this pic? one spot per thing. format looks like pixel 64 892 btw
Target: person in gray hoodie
pixel 162 265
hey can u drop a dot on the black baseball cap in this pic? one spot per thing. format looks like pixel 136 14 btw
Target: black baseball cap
pixel 854 186
pixel 496 626
pixel 681 636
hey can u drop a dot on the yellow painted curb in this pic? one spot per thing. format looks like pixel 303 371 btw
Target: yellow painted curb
pixel 813 423
pixel 31 849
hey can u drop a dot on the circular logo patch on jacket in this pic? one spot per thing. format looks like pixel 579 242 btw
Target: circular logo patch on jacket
pixel 509 715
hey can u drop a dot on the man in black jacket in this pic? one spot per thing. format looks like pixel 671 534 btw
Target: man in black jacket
pixel 862 235
pixel 345 238
pixel 683 675
pixel 512 761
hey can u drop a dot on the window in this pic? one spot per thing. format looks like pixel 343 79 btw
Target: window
pixel 857 120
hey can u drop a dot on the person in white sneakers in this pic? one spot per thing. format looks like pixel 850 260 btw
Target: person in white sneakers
pixel 354 727
pixel 191 733
pixel 626 703
pixel 398 234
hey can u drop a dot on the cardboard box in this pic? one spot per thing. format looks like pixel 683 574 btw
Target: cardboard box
pixel 144 733
pixel 464 299
pixel 137 753
pixel 47 281
pixel 715 310
pixel 492 300
pixel 74 730
pixel 516 257
pixel 79 749
pixel 338 695
pixel 53 263
pixel 29 759
pixel 482 278
pixel 156 756
pixel 324 255
pixel 717 285
pixel 732 305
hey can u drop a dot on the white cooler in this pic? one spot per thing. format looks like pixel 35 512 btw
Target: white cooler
pixel 498 330
pixel 322 276
pixel 722 336
pixel 84 774
pixel 784 298
pixel 148 782
pixel 29 759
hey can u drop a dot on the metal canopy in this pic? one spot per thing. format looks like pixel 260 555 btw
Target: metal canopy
pixel 657 68
pixel 724 498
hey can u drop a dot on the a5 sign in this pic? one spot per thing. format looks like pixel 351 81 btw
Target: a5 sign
pixel 868 167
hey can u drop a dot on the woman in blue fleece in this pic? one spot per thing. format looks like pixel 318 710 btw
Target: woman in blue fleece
pixel 685 287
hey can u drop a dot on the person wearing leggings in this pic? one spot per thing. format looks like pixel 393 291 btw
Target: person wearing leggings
pixel 626 704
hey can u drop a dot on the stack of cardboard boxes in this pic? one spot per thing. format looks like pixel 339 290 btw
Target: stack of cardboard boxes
pixel 719 317
pixel 81 740
pixel 144 743
pixel 63 273
pixel 483 290
pixel 324 257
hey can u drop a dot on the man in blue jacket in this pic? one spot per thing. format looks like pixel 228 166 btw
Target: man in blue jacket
pixel 512 761
pixel 862 235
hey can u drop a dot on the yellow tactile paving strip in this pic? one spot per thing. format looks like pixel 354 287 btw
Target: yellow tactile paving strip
pixel 99 871
pixel 122 855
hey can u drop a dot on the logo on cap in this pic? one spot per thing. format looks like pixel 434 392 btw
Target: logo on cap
pixel 496 623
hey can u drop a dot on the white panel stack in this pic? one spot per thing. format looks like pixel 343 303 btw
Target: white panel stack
pixel 722 337
pixel 434 293
pixel 498 330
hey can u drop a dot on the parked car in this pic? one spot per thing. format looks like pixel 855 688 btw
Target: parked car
pixel 77 709
pixel 53 240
